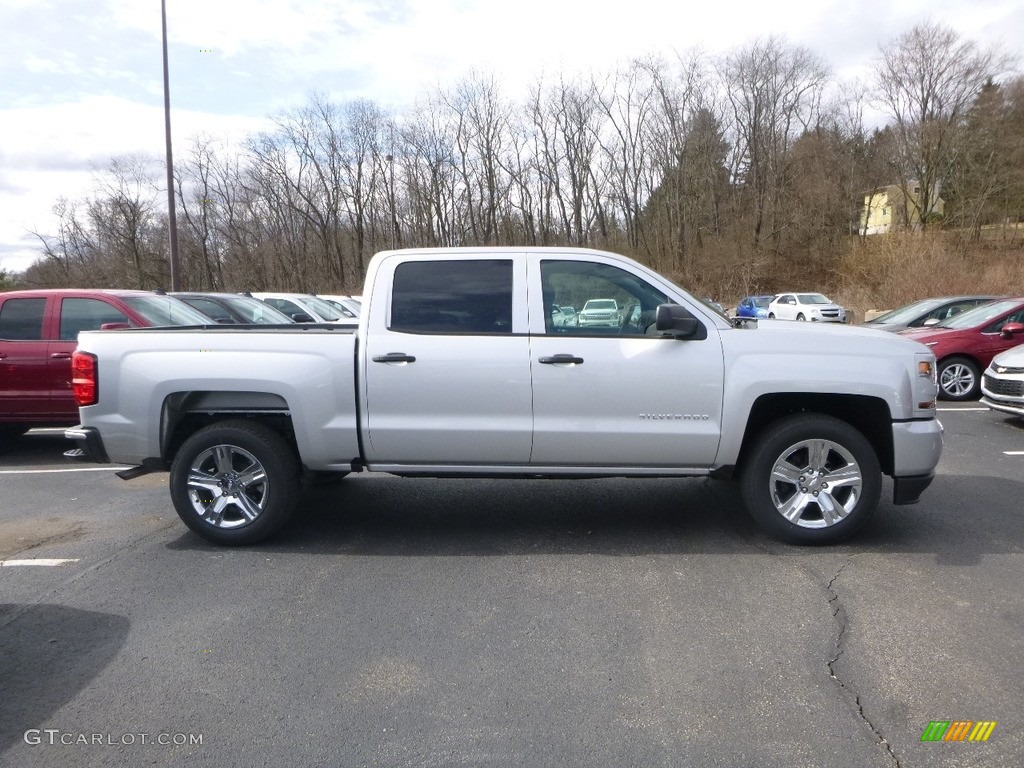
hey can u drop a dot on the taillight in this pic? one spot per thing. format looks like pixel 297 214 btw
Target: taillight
pixel 83 378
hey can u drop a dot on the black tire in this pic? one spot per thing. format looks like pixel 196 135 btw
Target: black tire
pixel 959 379
pixel 809 449
pixel 12 431
pixel 801 317
pixel 771 315
pixel 245 463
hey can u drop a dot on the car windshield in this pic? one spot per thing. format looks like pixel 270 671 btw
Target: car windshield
pixel 256 311
pixel 812 298
pixel 979 315
pixel 601 304
pixel 761 301
pixel 908 313
pixel 166 310
pixel 322 308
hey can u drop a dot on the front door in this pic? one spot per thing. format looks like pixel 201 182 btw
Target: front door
pixel 24 360
pixel 619 394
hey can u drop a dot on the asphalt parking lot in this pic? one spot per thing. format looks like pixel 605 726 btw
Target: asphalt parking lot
pixel 403 622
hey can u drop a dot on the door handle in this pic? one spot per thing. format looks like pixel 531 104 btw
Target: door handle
pixel 561 360
pixel 60 355
pixel 394 357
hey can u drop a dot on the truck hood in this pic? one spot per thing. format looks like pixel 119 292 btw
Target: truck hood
pixel 830 338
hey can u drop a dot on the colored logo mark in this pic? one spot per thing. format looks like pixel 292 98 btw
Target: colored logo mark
pixel 958 730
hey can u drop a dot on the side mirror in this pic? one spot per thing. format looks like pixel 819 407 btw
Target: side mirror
pixel 114 326
pixel 677 321
pixel 930 322
pixel 301 317
pixel 1011 329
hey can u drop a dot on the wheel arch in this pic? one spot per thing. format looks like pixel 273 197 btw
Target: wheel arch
pixel 868 415
pixel 185 413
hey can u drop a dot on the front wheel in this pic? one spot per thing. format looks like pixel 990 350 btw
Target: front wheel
pixel 801 317
pixel 959 379
pixel 771 315
pixel 235 482
pixel 811 479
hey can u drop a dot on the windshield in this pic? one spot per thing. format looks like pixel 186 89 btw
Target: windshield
pixel 601 304
pixel 321 308
pixel 256 311
pixel 761 301
pixel 166 310
pixel 907 314
pixel 812 298
pixel 979 315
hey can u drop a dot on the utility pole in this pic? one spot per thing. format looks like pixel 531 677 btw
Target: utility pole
pixel 172 219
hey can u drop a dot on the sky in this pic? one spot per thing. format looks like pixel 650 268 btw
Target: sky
pixel 81 80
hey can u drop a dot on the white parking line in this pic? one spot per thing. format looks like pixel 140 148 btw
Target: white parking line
pixel 961 409
pixel 51 471
pixel 38 561
pixel 1014 453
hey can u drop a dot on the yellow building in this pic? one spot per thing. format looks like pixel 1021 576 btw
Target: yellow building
pixel 895 208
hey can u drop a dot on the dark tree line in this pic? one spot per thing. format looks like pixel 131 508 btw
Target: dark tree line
pixel 732 174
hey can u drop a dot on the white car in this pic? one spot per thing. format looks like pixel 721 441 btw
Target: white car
pixel 806 306
pixel 319 310
pixel 349 306
pixel 599 313
pixel 1002 384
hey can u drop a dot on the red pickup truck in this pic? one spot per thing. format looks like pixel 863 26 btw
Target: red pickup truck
pixel 38 333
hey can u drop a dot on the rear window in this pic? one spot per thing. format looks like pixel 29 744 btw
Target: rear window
pixel 22 319
pixel 471 296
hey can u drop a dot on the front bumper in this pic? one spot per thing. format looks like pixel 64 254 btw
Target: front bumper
pixel 88 440
pixel 917 446
pixel 1002 406
pixel 908 490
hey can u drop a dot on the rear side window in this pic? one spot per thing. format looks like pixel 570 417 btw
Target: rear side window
pixel 453 297
pixel 86 315
pixel 210 308
pixel 22 319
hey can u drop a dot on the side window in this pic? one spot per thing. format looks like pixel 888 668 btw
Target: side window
pixel 211 309
pixel 1016 317
pixel 288 307
pixel 452 297
pixel 86 315
pixel 22 319
pixel 613 302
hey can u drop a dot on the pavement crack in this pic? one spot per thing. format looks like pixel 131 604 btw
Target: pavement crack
pixel 841 620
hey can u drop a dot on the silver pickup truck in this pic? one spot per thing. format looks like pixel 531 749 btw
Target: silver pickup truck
pixel 457 368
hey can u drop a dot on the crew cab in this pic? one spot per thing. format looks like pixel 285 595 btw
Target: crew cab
pixel 38 332
pixel 459 368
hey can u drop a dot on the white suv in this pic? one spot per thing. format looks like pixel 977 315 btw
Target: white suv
pixel 599 312
pixel 805 306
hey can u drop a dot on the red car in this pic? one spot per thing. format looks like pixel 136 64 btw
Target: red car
pixel 38 333
pixel 965 344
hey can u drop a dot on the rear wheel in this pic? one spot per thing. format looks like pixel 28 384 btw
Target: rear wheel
pixel 959 379
pixel 811 479
pixel 801 317
pixel 235 482
pixel 771 315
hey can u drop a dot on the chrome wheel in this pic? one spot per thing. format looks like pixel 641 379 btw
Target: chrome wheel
pixel 958 380
pixel 815 483
pixel 227 486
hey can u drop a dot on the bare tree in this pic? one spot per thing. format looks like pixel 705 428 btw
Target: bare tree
pixel 927 80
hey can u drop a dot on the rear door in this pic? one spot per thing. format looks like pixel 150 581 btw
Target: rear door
pixel 619 395
pixel 76 313
pixel 447 362
pixel 24 360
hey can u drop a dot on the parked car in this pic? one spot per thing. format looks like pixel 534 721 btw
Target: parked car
pixel 39 331
pixel 562 317
pixel 599 313
pixel 754 306
pixel 965 344
pixel 299 306
pixel 926 312
pixel 233 308
pixel 349 306
pixel 805 306
pixel 717 306
pixel 1002 384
